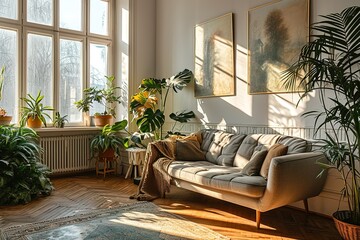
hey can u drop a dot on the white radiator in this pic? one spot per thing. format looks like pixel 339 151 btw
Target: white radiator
pixel 66 154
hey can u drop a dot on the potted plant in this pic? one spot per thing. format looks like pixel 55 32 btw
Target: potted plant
pixel 59 121
pixel 107 97
pixel 330 64
pixel 22 175
pixel 109 142
pixel 149 104
pixel 4 119
pixel 34 113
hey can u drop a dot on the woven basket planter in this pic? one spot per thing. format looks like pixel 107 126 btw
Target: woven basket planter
pixel 347 231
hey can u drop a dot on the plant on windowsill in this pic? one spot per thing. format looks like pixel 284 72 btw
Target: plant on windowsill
pixel 148 110
pixel 22 175
pixel 4 119
pixel 107 97
pixel 34 113
pixel 330 64
pixel 59 121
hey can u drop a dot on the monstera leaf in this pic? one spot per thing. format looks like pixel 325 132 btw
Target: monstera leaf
pixel 180 80
pixel 151 120
pixel 182 117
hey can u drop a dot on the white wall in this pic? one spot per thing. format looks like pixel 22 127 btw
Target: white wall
pixel 174 51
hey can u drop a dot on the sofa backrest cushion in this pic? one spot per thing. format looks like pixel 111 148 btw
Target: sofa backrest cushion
pixel 231 144
pixel 295 144
pixel 246 150
pixel 219 140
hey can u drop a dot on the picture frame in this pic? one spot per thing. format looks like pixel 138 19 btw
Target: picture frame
pixel 214 57
pixel 276 33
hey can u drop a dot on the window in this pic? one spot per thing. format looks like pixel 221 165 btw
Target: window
pixel 62 51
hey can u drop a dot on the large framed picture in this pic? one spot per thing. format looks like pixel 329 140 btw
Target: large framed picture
pixel 276 33
pixel 214 57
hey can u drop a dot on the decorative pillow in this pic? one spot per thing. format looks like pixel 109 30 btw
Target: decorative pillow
pixel 274 151
pixel 189 151
pixel 252 168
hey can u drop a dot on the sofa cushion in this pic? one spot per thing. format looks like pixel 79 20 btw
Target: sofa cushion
pixel 219 141
pixel 230 146
pixel 189 151
pixel 218 177
pixel 275 151
pixel 295 144
pixel 246 150
pixel 254 165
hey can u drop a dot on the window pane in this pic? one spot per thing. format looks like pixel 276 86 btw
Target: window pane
pixel 71 78
pixel 8 58
pixel 40 11
pixel 40 67
pixel 99 13
pixel 71 14
pixel 98 70
pixel 8 9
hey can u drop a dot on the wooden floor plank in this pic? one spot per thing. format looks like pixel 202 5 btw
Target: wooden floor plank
pixel 82 194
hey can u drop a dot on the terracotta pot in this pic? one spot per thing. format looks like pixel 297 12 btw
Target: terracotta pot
pixel 34 122
pixel 5 120
pixel 108 153
pixel 347 231
pixel 102 120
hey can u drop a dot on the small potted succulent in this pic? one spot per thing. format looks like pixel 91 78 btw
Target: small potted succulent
pixel 4 119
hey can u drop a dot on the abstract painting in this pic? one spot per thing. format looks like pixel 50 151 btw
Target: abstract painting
pixel 276 33
pixel 214 57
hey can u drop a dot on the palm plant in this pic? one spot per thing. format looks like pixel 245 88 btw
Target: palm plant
pixel 330 64
pixel 22 176
pixel 148 106
pixel 34 108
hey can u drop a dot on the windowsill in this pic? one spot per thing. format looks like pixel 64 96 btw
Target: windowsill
pixel 67 131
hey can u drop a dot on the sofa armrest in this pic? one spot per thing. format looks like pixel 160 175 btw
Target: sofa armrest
pixel 293 178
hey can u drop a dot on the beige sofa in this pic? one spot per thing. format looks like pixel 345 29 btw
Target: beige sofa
pixel 290 178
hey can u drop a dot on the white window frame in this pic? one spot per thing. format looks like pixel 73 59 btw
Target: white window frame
pixel 23 28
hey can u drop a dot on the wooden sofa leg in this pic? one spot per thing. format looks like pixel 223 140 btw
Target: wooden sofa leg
pixel 306 205
pixel 258 218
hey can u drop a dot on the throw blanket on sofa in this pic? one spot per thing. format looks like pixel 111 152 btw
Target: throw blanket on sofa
pixel 155 181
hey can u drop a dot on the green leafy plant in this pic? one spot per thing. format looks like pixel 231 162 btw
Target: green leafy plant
pixel 59 120
pixel 22 176
pixel 109 137
pixel 107 97
pixel 330 64
pixel 148 106
pixel 34 108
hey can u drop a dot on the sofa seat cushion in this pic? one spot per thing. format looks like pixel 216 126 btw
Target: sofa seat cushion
pixel 219 177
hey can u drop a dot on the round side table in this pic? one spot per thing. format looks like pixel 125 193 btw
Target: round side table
pixel 136 160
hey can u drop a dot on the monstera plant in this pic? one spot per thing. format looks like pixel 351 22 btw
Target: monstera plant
pixel 149 104
pixel 330 64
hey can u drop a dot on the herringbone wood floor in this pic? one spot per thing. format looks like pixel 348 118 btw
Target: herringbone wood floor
pixel 82 194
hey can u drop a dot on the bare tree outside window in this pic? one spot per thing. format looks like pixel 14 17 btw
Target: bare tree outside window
pixel 8 9
pixel 71 78
pixel 8 58
pixel 40 66
pixel 40 11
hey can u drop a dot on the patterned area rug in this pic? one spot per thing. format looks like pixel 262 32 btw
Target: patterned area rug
pixel 141 220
